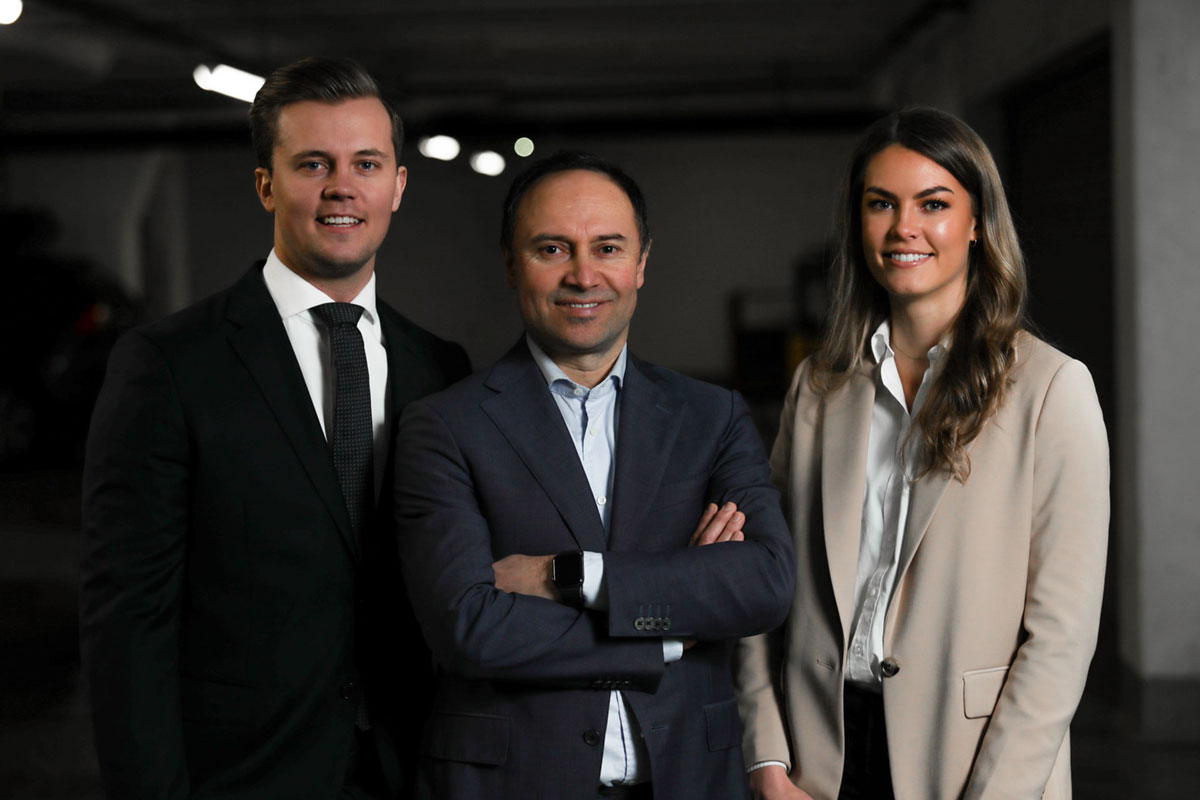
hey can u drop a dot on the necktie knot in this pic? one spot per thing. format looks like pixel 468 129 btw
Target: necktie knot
pixel 335 314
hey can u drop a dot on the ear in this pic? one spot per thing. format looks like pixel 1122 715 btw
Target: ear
pixel 641 267
pixel 510 270
pixel 401 182
pixel 262 183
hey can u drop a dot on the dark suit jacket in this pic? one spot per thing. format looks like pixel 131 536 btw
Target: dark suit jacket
pixel 486 469
pixel 229 618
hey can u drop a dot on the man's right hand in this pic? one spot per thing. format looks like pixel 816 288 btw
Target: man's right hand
pixel 722 524
pixel 772 783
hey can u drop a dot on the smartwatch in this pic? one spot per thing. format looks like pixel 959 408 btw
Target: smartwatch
pixel 567 574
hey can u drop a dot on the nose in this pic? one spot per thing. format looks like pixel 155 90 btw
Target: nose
pixel 905 224
pixel 582 274
pixel 338 184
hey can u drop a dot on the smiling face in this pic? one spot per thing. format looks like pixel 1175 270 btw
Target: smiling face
pixel 577 264
pixel 918 223
pixel 333 185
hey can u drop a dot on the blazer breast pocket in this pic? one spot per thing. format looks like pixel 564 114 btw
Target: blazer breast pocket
pixel 981 690
pixel 471 738
pixel 724 725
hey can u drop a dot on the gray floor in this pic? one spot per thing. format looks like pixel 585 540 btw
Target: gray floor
pixel 46 750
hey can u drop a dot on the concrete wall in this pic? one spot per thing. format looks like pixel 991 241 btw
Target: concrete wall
pixel 1158 177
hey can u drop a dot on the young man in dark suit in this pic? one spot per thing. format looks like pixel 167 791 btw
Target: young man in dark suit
pixel 549 510
pixel 243 627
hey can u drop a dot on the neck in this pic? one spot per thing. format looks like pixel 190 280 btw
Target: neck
pixel 917 327
pixel 341 289
pixel 586 369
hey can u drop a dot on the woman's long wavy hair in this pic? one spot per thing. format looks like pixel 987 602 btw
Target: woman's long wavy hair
pixel 971 383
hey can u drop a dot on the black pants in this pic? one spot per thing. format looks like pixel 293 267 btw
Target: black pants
pixel 364 774
pixel 867 774
pixel 642 791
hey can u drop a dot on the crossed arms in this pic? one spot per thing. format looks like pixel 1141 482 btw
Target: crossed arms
pixel 448 546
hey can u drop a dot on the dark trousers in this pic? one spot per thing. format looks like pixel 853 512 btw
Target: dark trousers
pixel 365 778
pixel 867 774
pixel 642 791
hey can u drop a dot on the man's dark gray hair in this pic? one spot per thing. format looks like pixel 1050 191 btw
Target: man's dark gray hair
pixel 326 80
pixel 566 161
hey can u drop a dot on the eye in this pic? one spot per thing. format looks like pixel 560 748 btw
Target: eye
pixel 312 166
pixel 878 204
pixel 368 166
pixel 608 250
pixel 550 250
pixel 935 204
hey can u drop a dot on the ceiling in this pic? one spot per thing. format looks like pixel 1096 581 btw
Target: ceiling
pixel 125 65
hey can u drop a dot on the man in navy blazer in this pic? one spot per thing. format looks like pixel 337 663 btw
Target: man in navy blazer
pixel 245 636
pixel 585 535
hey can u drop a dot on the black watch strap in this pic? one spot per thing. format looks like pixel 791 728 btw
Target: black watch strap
pixel 567 574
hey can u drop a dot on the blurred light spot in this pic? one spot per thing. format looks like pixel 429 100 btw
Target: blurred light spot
pixel 486 162
pixel 10 11
pixel 443 148
pixel 523 147
pixel 226 80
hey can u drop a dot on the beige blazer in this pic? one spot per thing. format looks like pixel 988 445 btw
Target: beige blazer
pixel 994 617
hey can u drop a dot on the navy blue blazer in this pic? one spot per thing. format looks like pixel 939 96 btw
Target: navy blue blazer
pixel 486 469
pixel 230 619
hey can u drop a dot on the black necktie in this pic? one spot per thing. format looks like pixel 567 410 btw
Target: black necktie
pixel 351 439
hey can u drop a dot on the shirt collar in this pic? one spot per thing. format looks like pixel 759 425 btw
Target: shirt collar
pixel 551 372
pixel 293 295
pixel 881 346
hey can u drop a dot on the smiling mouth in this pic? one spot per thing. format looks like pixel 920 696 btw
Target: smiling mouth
pixel 908 258
pixel 579 305
pixel 339 222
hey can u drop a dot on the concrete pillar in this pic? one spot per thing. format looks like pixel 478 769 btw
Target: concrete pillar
pixel 1156 69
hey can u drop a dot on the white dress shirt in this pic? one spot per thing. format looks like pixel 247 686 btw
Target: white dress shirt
pixel 891 463
pixel 591 418
pixel 293 297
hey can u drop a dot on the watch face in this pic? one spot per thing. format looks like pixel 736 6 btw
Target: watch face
pixel 568 569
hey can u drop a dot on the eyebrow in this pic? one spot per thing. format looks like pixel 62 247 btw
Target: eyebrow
pixel 371 151
pixel 551 237
pixel 919 195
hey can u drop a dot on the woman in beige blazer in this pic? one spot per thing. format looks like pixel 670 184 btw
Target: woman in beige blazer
pixel 946 478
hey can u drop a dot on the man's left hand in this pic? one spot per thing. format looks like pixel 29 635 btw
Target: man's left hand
pixel 522 574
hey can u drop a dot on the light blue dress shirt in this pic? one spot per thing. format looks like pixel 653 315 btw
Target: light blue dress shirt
pixel 591 417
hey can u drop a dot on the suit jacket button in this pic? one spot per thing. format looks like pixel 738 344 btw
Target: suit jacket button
pixel 639 623
pixel 890 667
pixel 592 738
pixel 348 690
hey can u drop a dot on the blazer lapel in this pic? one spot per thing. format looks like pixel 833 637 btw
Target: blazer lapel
pixel 261 343
pixel 923 501
pixel 646 431
pixel 844 439
pixel 527 416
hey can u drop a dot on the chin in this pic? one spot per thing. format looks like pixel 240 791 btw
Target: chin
pixel 334 270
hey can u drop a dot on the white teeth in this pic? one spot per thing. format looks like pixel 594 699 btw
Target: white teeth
pixel 339 220
pixel 907 256
pixel 583 305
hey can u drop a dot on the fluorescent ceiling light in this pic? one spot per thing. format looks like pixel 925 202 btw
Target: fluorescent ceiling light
pixel 228 81
pixel 486 162
pixel 10 11
pixel 443 148
pixel 523 147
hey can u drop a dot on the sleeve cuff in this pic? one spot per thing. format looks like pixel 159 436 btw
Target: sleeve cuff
pixel 595 595
pixel 672 650
pixel 762 764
